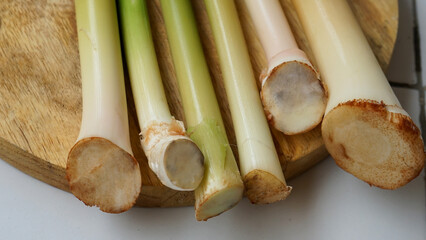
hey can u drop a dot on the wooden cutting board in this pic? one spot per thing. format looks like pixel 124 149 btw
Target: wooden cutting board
pixel 40 89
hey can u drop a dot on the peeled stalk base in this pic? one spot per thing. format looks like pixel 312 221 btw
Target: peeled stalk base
pixel 221 188
pixel 380 147
pixel 217 194
pixel 102 174
pixel 217 202
pixel 174 157
pixel 293 97
pixel 263 187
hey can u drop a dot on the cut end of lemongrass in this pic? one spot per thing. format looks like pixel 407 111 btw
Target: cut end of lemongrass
pixel 380 147
pixel 102 174
pixel 264 188
pixel 293 97
pixel 184 164
pixel 174 157
pixel 218 202
pixel 221 188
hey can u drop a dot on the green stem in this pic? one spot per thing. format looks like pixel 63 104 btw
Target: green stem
pixel 147 87
pixel 222 187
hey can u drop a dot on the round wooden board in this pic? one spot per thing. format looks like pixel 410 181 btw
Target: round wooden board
pixel 40 89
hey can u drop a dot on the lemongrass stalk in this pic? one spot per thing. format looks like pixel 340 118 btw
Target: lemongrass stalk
pixel 365 128
pixel 172 155
pixel 221 188
pixel 259 164
pixel 101 170
pixel 292 93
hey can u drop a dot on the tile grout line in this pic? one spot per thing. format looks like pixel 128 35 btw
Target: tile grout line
pixel 418 69
pixel 418 72
pixel 418 61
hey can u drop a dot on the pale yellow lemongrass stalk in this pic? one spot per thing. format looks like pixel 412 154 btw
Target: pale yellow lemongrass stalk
pixel 292 93
pixel 101 170
pixel 259 163
pixel 221 188
pixel 365 128
pixel 172 155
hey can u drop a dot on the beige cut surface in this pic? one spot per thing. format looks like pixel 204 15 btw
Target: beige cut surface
pixel 40 89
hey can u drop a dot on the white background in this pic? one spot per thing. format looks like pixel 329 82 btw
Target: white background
pixel 326 203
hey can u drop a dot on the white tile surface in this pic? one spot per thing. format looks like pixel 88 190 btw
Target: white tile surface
pixel 421 17
pixel 327 203
pixel 402 65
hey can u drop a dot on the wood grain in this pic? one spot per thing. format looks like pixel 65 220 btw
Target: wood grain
pixel 40 89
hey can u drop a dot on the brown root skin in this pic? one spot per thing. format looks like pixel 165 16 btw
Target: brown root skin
pixel 173 128
pixel 382 148
pixel 264 188
pixel 293 89
pixel 102 174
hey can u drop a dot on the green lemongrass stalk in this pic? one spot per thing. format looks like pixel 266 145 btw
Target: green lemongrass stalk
pixel 221 187
pixel 101 170
pixel 171 154
pixel 365 128
pixel 291 92
pixel 259 163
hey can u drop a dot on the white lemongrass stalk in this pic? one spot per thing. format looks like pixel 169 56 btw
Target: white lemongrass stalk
pixel 259 163
pixel 101 170
pixel 172 155
pixel 221 188
pixel 292 93
pixel 365 128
